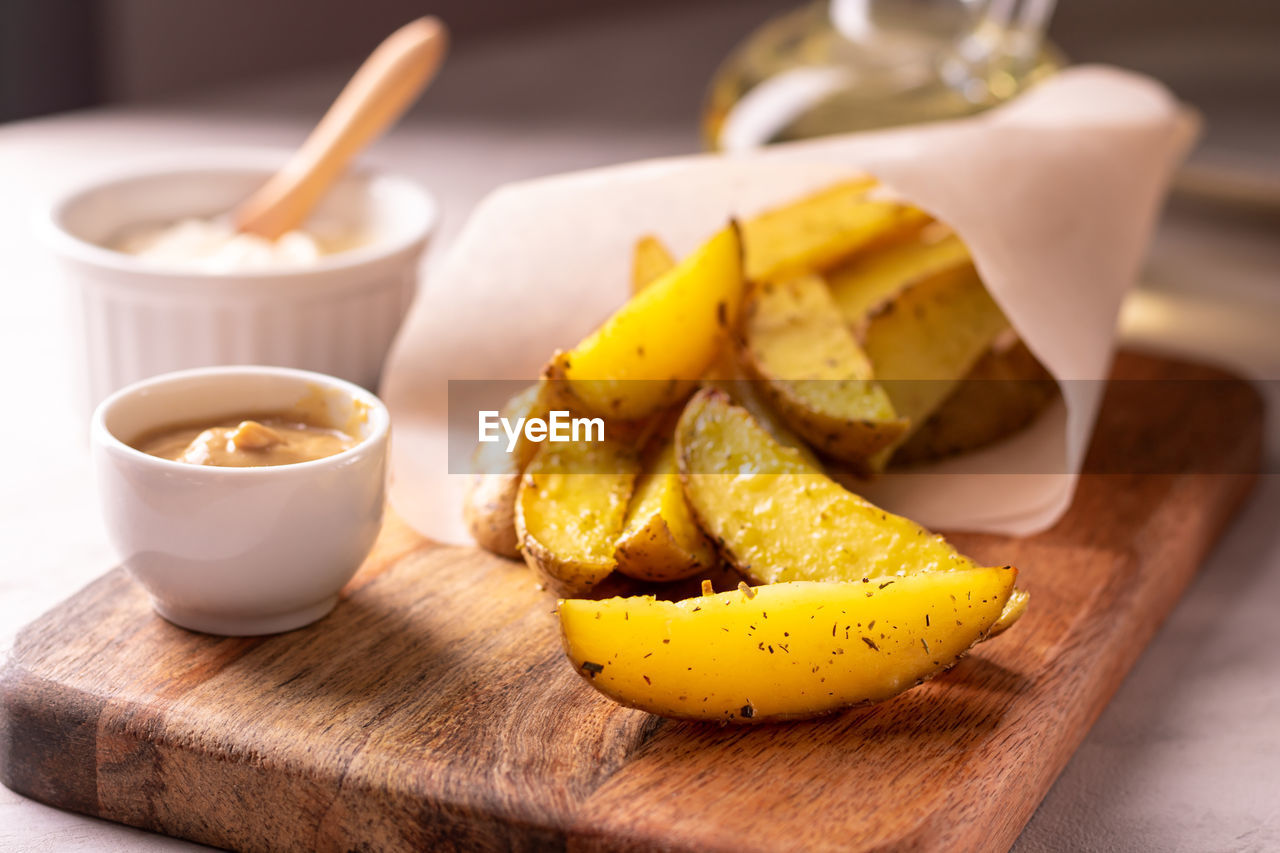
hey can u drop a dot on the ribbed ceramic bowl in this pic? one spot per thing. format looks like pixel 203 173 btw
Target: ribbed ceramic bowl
pixel 137 319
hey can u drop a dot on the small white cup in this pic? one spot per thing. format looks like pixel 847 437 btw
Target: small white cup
pixel 239 551
pixel 136 318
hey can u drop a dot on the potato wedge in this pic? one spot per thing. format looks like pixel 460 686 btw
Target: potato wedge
pixel 777 519
pixel 488 507
pixel 871 279
pixel 569 510
pixel 813 371
pixel 746 392
pixel 650 353
pixel 786 651
pixel 650 262
pixel 1014 609
pixel 1002 394
pixel 927 338
pixel 660 541
pixel 820 230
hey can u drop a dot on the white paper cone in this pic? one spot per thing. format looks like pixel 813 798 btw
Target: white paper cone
pixel 1055 194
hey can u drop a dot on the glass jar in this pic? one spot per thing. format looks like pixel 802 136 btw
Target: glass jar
pixel 836 66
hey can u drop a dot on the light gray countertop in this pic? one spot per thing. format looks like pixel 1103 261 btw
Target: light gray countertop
pixel 1187 755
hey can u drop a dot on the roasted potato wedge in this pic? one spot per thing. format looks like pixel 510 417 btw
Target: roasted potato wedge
pixel 488 507
pixel 868 281
pixel 820 230
pixel 570 508
pixel 746 392
pixel 1002 394
pixel 777 519
pixel 813 371
pixel 1014 609
pixel 650 262
pixel 785 651
pixel 927 338
pixel 660 540
pixel 651 352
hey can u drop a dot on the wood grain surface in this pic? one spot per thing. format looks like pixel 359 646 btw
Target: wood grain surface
pixel 435 709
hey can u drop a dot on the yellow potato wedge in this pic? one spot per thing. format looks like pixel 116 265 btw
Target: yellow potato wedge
pixel 488 507
pixel 1014 609
pixel 871 279
pixel 1002 394
pixel 569 510
pixel 652 259
pixel 650 262
pixel 927 338
pixel 650 353
pixel 777 519
pixel 819 231
pixel 813 371
pixel 660 541
pixel 746 393
pixel 786 651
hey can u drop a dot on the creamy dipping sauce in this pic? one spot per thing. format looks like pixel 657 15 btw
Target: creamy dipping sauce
pixel 246 442
pixel 214 246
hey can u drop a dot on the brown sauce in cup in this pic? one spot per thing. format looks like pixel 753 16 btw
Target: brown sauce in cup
pixel 246 441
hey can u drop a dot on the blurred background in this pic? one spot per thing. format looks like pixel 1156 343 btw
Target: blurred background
pixel 58 55
pixel 596 82
pixel 623 79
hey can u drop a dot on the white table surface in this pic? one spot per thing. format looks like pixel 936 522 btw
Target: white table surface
pixel 1187 755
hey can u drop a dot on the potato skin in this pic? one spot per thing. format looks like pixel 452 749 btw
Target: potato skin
pixel 563 576
pixel 488 508
pixel 654 553
pixel 660 540
pixel 570 507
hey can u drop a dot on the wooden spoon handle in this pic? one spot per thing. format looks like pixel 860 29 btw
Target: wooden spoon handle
pixel 379 93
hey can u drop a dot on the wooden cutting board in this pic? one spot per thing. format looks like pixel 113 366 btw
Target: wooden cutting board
pixel 434 707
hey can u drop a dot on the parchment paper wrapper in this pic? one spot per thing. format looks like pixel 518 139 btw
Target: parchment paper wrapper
pixel 1056 195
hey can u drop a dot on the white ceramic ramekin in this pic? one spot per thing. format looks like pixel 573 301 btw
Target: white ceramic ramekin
pixel 137 319
pixel 239 551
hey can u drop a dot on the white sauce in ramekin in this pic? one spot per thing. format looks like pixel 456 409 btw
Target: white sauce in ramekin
pixel 213 245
